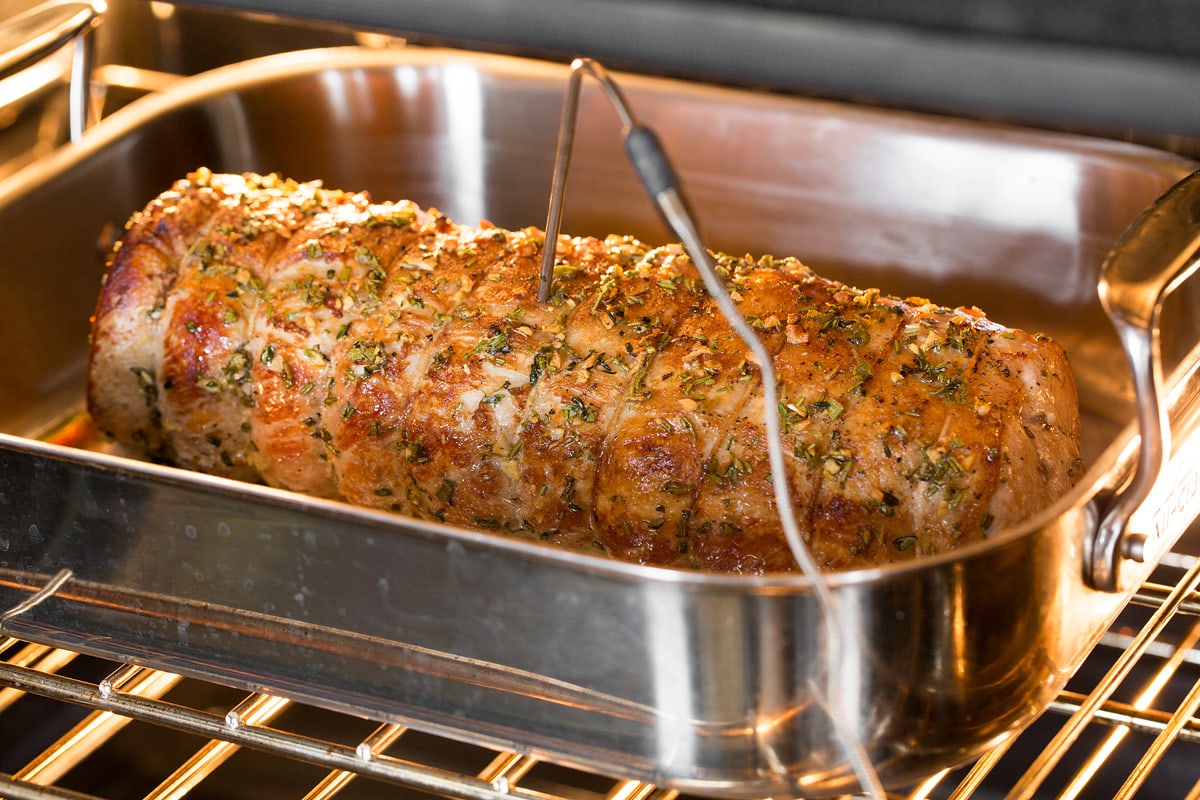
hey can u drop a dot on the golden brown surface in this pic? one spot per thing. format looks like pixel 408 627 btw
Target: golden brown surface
pixel 262 329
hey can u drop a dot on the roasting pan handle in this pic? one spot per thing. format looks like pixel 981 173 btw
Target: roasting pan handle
pixel 40 32
pixel 1159 251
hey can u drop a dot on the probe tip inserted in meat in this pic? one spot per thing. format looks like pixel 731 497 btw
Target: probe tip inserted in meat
pixel 562 158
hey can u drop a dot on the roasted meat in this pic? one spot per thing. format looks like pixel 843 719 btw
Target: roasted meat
pixel 263 329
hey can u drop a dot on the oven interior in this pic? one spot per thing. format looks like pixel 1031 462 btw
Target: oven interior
pixel 73 725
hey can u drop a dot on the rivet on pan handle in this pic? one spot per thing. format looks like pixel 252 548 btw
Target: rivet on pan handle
pixel 1156 253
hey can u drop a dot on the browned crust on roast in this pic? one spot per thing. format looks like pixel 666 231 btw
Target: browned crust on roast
pixel 379 353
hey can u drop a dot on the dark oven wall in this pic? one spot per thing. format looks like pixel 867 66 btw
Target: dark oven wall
pixel 1123 70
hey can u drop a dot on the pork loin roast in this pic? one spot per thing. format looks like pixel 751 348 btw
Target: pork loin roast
pixel 269 330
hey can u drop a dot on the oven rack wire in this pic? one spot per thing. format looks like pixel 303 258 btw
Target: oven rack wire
pixel 1136 708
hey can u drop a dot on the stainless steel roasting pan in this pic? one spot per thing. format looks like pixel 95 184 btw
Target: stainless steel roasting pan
pixel 700 682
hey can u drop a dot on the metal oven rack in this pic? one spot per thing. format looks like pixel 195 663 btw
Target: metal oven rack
pixel 75 726
pixel 196 728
